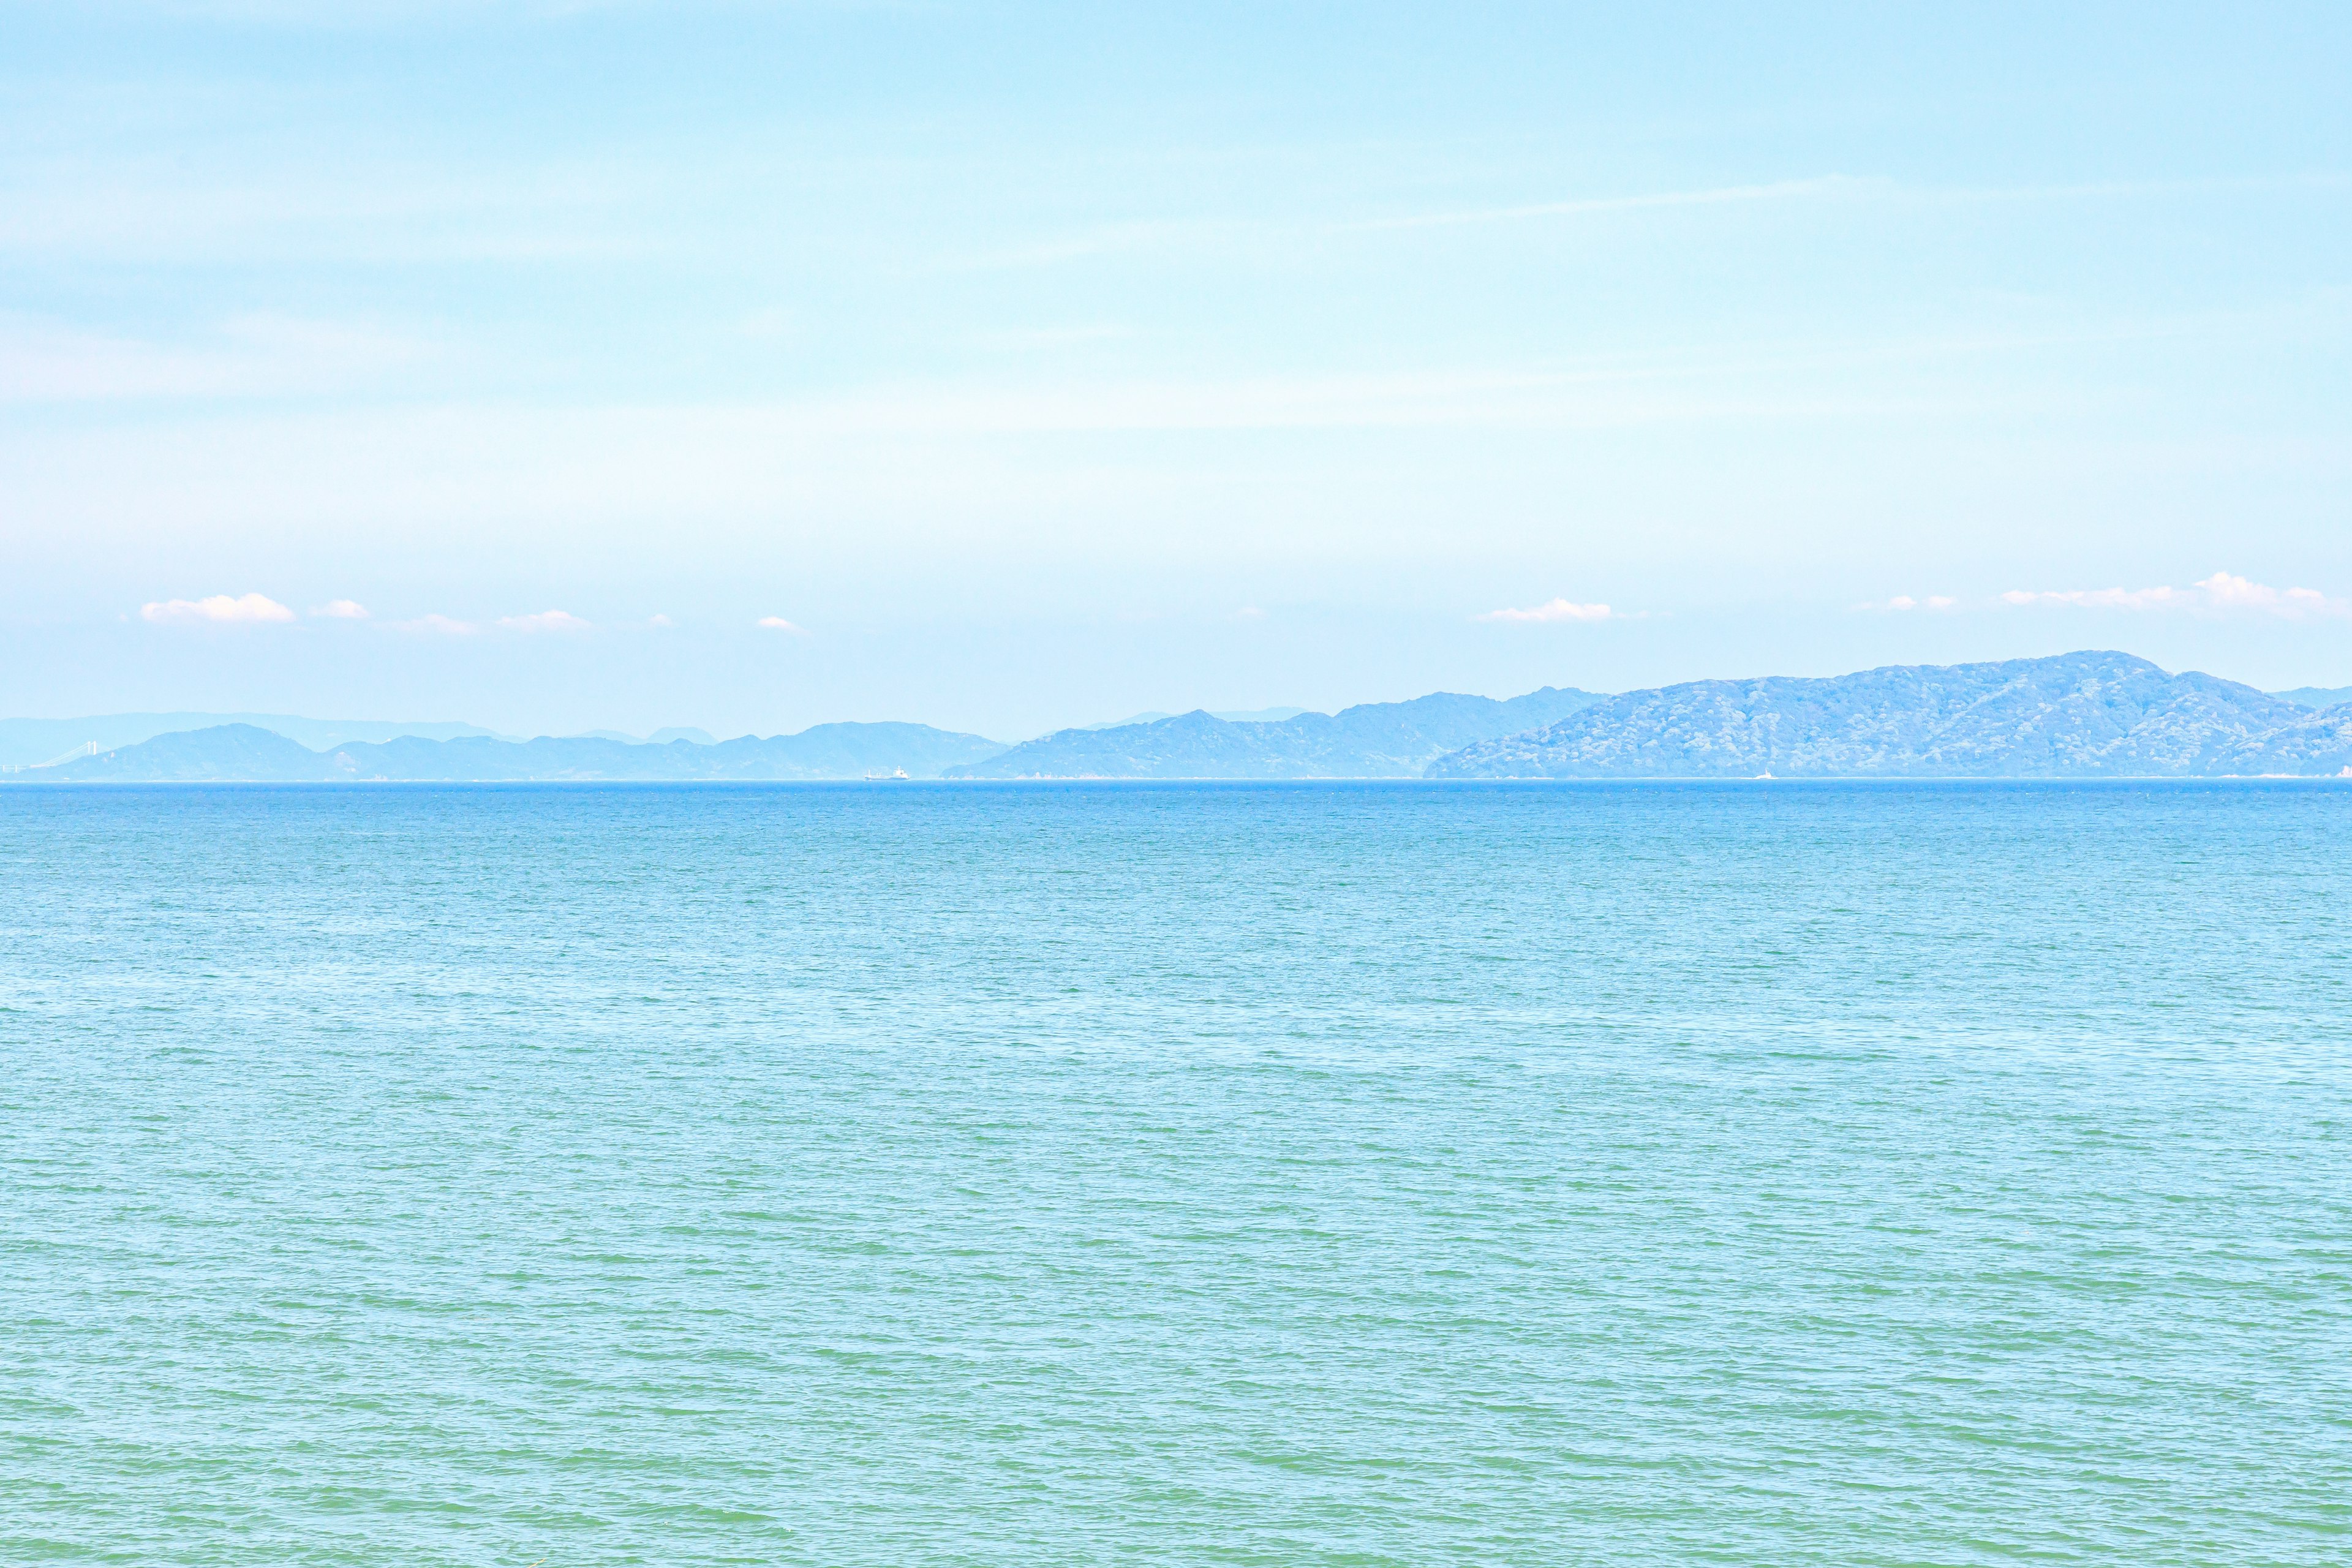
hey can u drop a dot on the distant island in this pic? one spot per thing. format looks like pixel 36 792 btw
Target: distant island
pixel 2077 715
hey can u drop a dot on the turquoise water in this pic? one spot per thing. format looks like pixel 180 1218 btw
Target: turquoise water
pixel 1392 1175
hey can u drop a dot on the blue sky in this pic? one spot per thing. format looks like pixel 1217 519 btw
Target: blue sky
pixel 1026 364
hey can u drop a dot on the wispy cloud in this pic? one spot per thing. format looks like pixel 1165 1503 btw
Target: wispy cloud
pixel 1103 240
pixel 1718 196
pixel 1557 610
pixel 1853 187
pixel 774 322
pixel 778 624
pixel 217 608
pixel 436 625
pixel 1030 340
pixel 544 621
pixel 340 610
pixel 1141 234
pixel 2220 593
pixel 204 209
pixel 1902 602
pixel 367 15
pixel 254 355
pixel 1148 235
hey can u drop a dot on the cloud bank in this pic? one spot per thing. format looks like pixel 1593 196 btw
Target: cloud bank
pixel 2220 593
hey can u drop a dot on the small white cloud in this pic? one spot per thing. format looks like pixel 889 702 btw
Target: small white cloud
pixel 1249 613
pixel 2228 592
pixel 1558 610
pixel 2222 593
pixel 341 610
pixel 661 622
pixel 545 621
pixel 437 626
pixel 219 607
pixel 778 624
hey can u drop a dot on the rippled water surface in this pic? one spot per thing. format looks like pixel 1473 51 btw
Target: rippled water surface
pixel 1288 1175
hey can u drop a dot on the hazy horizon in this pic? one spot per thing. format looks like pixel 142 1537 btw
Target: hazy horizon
pixel 444 721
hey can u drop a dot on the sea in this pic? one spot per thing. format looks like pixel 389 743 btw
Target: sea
pixel 1761 1173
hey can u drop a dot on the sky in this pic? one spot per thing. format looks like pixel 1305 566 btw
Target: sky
pixel 559 366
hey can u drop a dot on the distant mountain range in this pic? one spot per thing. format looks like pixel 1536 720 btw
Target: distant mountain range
pixel 1254 716
pixel 247 753
pixel 32 742
pixel 1374 740
pixel 2082 715
pixel 2075 715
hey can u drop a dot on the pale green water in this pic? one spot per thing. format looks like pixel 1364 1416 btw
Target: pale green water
pixel 1758 1175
